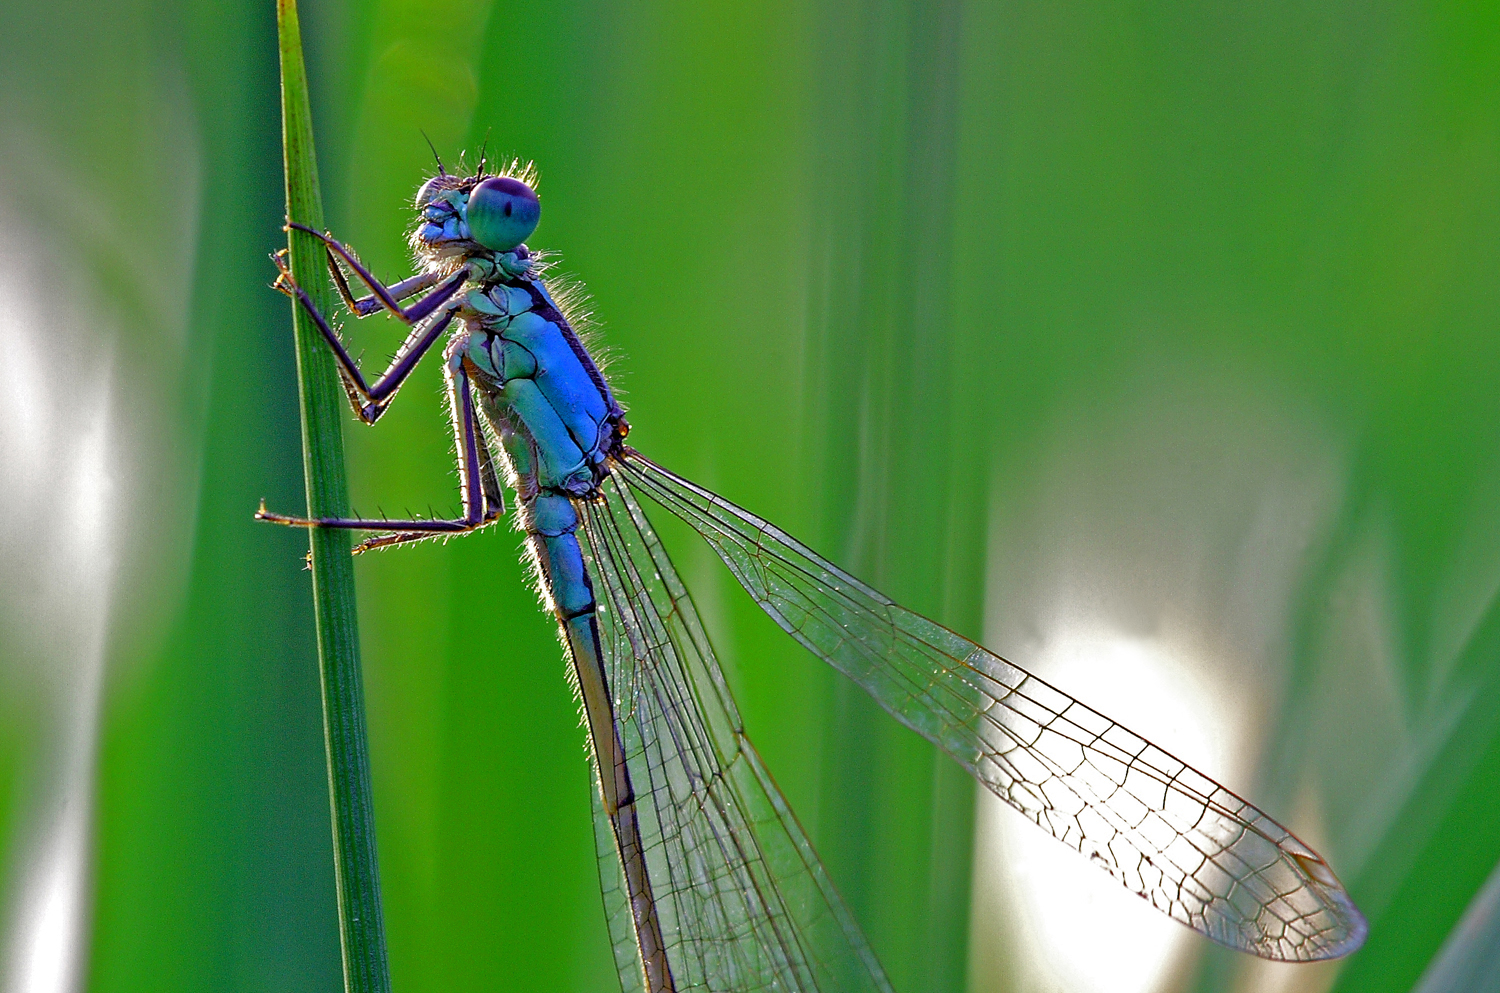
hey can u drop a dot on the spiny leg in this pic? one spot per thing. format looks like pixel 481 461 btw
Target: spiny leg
pixel 494 503
pixel 369 400
pixel 494 496
pixel 474 488
pixel 383 293
pixel 365 306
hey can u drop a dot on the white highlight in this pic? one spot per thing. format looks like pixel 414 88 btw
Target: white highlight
pixel 56 565
pixel 46 949
pixel 1081 929
pixel 1147 557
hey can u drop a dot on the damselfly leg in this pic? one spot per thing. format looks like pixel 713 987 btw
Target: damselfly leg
pixel 370 400
pixel 363 307
pixel 386 296
pixel 479 485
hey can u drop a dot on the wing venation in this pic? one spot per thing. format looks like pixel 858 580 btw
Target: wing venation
pixel 1167 832
pixel 743 901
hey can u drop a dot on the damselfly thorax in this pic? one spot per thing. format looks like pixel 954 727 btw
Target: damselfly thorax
pixel 540 391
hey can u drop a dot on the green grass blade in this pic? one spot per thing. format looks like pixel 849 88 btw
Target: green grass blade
pixel 361 924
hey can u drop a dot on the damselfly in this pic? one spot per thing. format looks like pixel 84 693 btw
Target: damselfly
pixel 709 883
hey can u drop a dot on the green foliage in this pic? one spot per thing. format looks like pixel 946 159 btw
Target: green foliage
pixel 964 296
pixel 357 871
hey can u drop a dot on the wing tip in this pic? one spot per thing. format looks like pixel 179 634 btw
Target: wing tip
pixel 1354 928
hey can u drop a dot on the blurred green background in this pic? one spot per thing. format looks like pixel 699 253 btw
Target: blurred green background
pixel 1172 322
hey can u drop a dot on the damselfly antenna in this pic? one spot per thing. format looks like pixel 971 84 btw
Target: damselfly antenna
pixel 441 170
pixel 483 152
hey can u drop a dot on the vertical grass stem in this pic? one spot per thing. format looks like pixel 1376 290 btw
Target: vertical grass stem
pixel 361 925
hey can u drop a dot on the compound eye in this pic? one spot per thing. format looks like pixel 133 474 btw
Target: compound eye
pixel 502 213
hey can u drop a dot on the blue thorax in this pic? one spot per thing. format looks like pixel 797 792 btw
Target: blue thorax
pixel 540 389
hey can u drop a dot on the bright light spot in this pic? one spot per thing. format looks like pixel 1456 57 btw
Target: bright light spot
pixel 47 949
pixel 56 565
pixel 1074 927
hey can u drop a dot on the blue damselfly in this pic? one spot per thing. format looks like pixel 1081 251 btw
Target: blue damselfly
pixel 709 882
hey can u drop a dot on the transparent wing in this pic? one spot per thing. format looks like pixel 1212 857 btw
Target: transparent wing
pixel 743 901
pixel 1192 848
pixel 622 937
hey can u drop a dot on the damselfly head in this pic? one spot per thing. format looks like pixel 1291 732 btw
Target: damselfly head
pixel 461 215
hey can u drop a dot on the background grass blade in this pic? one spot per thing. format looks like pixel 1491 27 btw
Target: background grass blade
pixel 361 924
